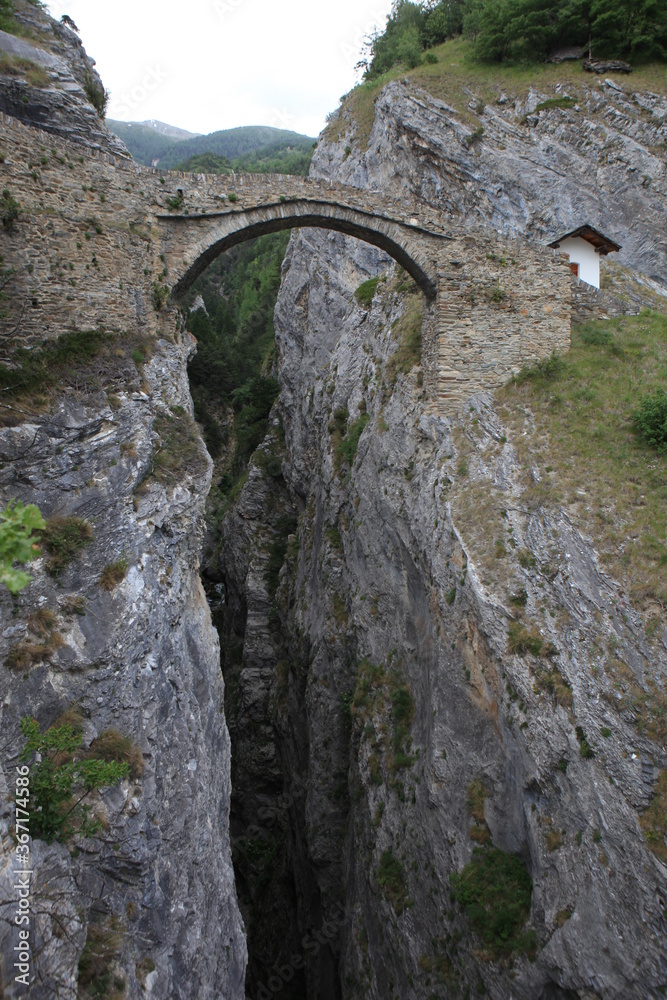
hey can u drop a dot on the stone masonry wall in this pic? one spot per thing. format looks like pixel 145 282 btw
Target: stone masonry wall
pixel 96 246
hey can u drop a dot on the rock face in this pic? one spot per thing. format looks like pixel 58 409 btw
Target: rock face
pixel 141 659
pixel 531 170
pixel 116 639
pixel 383 722
pixel 47 85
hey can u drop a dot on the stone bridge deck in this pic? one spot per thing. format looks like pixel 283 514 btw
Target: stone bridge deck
pixel 103 241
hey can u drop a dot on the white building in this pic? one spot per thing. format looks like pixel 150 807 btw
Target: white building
pixel 584 247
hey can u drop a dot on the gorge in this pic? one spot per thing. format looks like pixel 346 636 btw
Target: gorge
pixel 440 621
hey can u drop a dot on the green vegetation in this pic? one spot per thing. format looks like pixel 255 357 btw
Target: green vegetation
pixel 653 820
pixel 366 292
pixel 61 778
pixel 458 73
pixel 96 94
pixel 175 202
pixel 585 749
pixel 104 940
pixel 402 716
pixel 276 158
pixel 41 644
pixel 7 22
pixel 345 439
pixel 63 538
pixel 111 746
pixel 521 640
pixel 552 682
pixel 33 73
pixel 379 687
pixel 476 796
pixel 528 30
pixel 18 543
pixel 651 419
pixel 87 359
pixel 235 344
pixel 391 879
pixel 252 148
pixel 407 330
pixel 277 552
pixel 10 209
pixel 179 452
pixel 585 436
pixel 495 889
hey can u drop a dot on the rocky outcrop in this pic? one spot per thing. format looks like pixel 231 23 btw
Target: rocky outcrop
pixel 46 80
pixel 401 720
pixel 521 165
pixel 139 657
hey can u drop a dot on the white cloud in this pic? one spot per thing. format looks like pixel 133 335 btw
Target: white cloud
pixel 214 64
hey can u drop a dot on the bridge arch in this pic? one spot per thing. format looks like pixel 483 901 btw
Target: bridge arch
pixel 193 241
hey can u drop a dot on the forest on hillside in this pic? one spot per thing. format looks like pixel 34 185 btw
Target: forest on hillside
pixel 521 30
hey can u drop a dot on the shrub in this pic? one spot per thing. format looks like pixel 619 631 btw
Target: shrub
pixel 346 448
pixel 175 202
pixel 653 820
pixel 102 948
pixel 585 749
pixel 495 890
pixel 113 746
pixel 18 543
pixel 430 58
pixel 159 295
pixel 650 419
pixel 402 714
pixel 365 293
pixel 391 879
pixel 232 197
pixel 180 449
pixel 60 779
pixel 96 94
pixel 553 682
pixel 522 641
pixel 26 654
pixel 527 559
pixel 10 209
pixel 63 538
pixel 548 370
pixel 113 574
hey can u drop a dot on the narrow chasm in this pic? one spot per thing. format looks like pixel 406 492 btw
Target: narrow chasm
pixel 252 520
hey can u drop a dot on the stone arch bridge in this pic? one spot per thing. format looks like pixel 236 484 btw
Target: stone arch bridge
pixel 105 241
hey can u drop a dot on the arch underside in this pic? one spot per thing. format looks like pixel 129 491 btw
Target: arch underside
pixel 314 221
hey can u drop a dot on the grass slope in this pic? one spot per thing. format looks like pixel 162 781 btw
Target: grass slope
pixel 590 456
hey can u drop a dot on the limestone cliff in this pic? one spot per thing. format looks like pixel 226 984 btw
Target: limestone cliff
pixel 113 636
pixel 388 710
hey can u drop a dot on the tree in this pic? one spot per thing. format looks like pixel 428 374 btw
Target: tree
pixel 61 777
pixel 18 544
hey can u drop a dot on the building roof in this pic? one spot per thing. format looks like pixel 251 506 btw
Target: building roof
pixel 603 245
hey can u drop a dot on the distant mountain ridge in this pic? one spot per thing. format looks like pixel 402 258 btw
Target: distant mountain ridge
pixel 158 144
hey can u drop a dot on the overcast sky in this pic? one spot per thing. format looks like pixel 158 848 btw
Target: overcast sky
pixel 213 64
